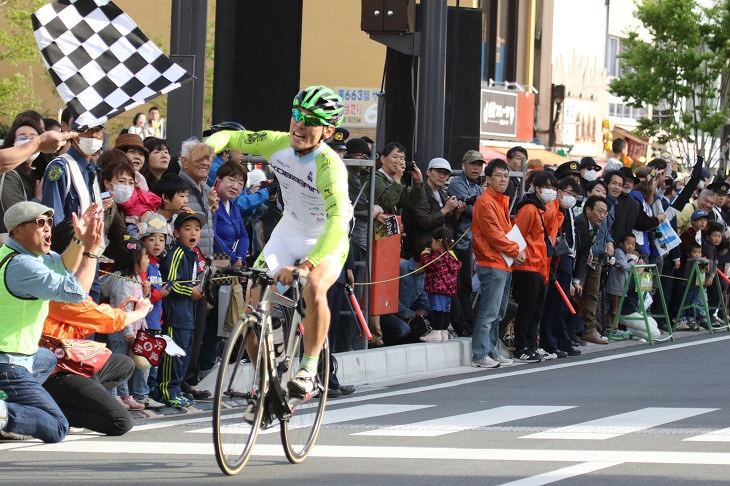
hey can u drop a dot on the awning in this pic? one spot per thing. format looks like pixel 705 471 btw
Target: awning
pixel 490 153
pixel 547 157
pixel 637 146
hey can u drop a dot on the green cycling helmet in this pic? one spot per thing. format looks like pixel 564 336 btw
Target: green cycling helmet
pixel 322 102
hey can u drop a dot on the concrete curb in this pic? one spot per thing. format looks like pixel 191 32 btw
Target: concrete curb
pixel 357 367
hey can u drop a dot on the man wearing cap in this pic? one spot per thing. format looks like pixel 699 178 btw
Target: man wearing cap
pixel 358 149
pixel 589 170
pixel 568 169
pixel 337 142
pixel 436 210
pixel 465 188
pixel 70 185
pixel 31 275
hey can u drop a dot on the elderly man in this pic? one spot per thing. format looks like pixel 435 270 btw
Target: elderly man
pixel 465 188
pixel 31 276
pixel 195 160
pixel 705 202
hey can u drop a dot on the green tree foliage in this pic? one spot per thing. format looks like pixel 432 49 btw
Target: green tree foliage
pixel 682 71
pixel 18 49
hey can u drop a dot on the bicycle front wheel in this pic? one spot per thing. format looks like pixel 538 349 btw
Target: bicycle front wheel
pixel 239 399
pixel 299 433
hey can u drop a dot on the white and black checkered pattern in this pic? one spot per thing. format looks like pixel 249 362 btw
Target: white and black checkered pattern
pixel 100 61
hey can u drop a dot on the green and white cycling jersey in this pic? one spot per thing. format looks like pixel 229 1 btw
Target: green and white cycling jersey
pixel 313 188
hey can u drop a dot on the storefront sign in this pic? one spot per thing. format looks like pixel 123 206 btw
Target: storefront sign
pixel 361 107
pixel 499 113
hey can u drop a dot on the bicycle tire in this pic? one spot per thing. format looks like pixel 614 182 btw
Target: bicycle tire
pixel 300 431
pixel 238 386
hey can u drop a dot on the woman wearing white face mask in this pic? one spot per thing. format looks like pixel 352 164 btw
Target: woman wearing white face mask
pixel 538 219
pixel 20 184
pixel 117 175
pixel 589 170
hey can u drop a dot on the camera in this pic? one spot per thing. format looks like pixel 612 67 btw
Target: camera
pixel 413 166
pixel 469 200
pixel 655 234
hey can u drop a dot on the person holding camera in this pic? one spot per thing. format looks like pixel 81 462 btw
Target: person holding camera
pixel 390 192
pixel 436 210
pixel 466 188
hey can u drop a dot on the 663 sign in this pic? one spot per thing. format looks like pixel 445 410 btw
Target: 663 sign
pixel 361 106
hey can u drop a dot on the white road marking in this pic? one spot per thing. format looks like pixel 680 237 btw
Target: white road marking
pixel 722 435
pixel 102 446
pixel 337 416
pixel 621 424
pixel 560 474
pixel 466 421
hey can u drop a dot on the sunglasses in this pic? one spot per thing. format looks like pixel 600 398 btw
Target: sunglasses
pixel 41 222
pixel 309 120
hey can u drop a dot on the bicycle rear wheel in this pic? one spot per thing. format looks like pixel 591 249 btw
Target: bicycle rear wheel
pixel 240 388
pixel 299 433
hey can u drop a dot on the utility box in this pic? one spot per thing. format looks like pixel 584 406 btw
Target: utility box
pixel 388 16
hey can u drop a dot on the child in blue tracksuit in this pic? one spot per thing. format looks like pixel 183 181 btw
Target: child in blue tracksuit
pixel 180 269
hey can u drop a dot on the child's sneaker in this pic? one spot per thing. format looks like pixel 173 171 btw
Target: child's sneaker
pixel 131 403
pixel 178 402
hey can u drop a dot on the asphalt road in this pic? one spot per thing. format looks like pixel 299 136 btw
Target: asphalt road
pixel 632 416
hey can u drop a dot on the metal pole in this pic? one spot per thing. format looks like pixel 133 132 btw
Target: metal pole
pixel 432 82
pixel 187 47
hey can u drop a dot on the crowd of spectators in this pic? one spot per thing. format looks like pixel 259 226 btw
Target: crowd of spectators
pixel 140 221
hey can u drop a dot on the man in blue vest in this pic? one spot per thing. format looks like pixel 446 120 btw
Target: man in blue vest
pixel 30 276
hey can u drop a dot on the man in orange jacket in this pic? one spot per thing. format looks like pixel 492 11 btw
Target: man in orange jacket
pixel 490 225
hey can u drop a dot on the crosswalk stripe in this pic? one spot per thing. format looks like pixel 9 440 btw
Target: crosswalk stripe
pixel 621 424
pixel 722 435
pixel 335 416
pixel 466 421
pixel 561 474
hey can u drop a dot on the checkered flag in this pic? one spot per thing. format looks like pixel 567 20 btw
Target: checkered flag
pixel 99 60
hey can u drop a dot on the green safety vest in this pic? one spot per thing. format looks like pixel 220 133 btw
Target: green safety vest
pixel 21 320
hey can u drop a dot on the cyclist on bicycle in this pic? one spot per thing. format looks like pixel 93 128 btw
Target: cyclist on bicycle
pixel 311 236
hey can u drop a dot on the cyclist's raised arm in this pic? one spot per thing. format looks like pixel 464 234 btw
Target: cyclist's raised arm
pixel 264 143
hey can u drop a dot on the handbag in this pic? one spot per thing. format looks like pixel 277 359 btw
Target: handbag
pixel 78 356
pixel 148 346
